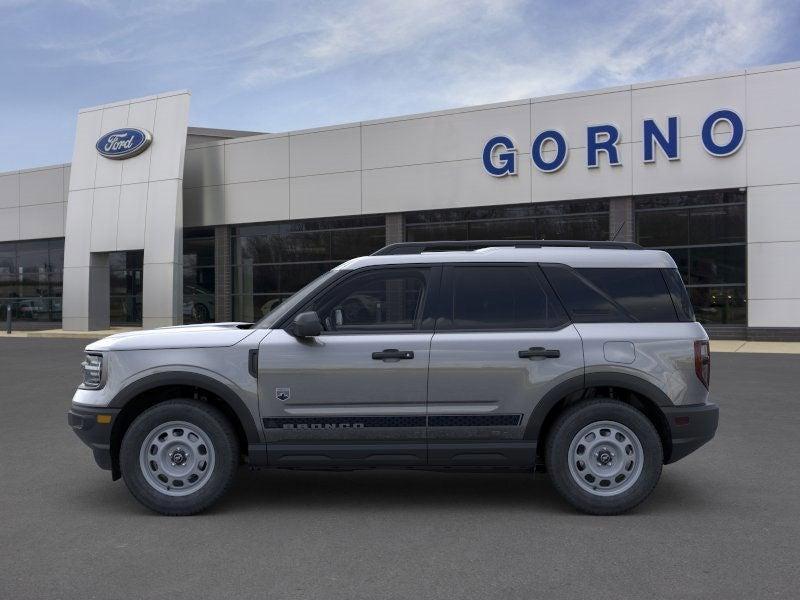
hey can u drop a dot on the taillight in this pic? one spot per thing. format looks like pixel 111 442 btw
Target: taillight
pixel 702 361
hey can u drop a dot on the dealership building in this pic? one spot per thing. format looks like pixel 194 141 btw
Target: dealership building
pixel 157 223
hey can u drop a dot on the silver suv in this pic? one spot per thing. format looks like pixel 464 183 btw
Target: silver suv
pixel 581 359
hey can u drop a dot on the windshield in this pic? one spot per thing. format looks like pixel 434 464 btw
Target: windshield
pixel 279 312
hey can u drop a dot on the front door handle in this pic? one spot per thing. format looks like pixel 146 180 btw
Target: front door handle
pixel 393 353
pixel 539 352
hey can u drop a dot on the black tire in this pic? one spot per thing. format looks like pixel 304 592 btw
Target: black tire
pixel 225 449
pixel 570 423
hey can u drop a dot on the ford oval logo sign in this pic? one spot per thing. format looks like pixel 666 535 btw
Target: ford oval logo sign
pixel 123 143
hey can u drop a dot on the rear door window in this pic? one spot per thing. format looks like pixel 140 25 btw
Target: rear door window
pixel 500 298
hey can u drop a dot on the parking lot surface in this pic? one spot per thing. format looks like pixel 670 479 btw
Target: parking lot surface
pixel 722 523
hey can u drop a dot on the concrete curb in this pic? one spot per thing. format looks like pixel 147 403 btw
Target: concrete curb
pixel 755 347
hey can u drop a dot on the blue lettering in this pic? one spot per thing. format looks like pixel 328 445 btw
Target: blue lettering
pixel 602 138
pixel 652 135
pixel 561 151
pixel 507 158
pixel 736 140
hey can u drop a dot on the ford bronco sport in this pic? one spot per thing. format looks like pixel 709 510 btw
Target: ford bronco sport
pixel 581 359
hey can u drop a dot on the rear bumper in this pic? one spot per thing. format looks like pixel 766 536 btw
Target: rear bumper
pixel 95 434
pixel 690 427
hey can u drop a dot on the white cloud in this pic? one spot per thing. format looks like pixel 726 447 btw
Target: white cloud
pixel 674 40
pixel 325 38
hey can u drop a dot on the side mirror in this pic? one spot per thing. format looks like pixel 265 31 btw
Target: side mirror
pixel 306 325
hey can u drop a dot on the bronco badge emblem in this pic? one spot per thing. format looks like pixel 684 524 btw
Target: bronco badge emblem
pixel 283 394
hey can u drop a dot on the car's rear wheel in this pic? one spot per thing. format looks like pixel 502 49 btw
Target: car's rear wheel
pixel 179 457
pixel 604 456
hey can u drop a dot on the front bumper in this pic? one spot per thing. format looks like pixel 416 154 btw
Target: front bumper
pixel 690 427
pixel 90 425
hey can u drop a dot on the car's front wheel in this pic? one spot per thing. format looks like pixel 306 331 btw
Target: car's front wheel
pixel 604 456
pixel 179 457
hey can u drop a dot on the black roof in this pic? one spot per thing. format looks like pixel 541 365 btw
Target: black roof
pixel 420 247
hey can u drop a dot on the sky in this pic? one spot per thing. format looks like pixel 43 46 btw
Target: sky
pixel 293 64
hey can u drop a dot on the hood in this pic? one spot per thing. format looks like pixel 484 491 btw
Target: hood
pixel 208 335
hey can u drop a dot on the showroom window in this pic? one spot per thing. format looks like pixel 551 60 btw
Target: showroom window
pixel 126 287
pixel 31 276
pixel 581 220
pixel 706 234
pixel 272 261
pixel 198 275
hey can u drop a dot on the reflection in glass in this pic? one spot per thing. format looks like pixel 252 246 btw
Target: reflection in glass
pixel 706 235
pixel 272 261
pixel 30 280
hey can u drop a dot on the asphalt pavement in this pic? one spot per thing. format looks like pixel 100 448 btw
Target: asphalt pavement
pixel 722 523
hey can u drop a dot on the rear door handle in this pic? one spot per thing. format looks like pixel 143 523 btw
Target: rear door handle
pixel 391 353
pixel 539 352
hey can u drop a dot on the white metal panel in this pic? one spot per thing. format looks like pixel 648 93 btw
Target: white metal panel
pixel 9 190
pixel 773 156
pixel 161 294
pixel 449 137
pixel 204 166
pixel 257 160
pixel 442 185
pixel 43 186
pixel 9 224
pixel 325 195
pixel 772 270
pixel 575 180
pixel 773 99
pixel 328 151
pixel 777 312
pixel 76 294
pixel 162 235
pixel 773 214
pixel 109 171
pixel 65 177
pixel 142 115
pixel 84 156
pixel 257 201
pixel 169 137
pixel 696 170
pixel 132 212
pixel 41 221
pixel 572 115
pixel 105 215
pixel 692 101
pixel 203 206
pixel 79 219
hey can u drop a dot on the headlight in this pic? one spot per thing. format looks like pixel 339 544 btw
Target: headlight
pixel 92 371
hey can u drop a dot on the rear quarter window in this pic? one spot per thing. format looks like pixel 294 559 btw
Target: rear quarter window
pixel 613 295
pixel 641 292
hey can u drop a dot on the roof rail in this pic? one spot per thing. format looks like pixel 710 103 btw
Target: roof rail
pixel 443 246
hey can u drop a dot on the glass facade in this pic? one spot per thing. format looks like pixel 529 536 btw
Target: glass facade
pixel 31 277
pixel 126 287
pixel 579 220
pixel 271 261
pixel 706 234
pixel 198 275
